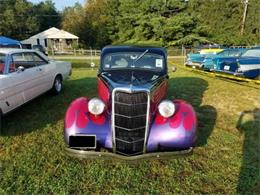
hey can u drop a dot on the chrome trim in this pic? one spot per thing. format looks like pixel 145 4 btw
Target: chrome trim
pixel 130 129
pixel 147 121
pixel 131 89
pixel 131 141
pixel 129 104
pixel 111 156
pixel 136 116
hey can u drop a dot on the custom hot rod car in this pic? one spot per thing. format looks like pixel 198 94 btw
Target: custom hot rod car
pixel 131 118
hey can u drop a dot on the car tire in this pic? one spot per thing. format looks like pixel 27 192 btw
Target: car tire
pixel 258 77
pixel 57 85
pixel 1 121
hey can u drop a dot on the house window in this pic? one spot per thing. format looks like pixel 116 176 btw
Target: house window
pixel 38 41
pixel 45 42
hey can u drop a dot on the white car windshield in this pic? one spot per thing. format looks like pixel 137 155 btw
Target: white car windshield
pixel 2 63
pixel 252 53
pixel 133 60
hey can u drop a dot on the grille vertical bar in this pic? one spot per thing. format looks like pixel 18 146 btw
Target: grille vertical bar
pixel 130 121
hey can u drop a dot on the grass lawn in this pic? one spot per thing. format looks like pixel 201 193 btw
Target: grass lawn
pixel 225 161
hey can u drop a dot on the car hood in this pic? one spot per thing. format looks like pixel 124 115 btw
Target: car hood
pixel 198 57
pixel 132 79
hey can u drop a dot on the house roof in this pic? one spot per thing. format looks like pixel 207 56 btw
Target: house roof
pixel 53 33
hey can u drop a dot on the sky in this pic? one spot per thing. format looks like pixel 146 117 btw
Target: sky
pixel 60 4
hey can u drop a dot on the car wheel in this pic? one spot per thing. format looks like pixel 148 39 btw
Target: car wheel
pixel 258 77
pixel 57 85
pixel 1 121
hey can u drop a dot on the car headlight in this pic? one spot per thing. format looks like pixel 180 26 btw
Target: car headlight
pixel 96 106
pixel 166 108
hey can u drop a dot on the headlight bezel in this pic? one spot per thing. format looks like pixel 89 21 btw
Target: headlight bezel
pixel 96 106
pixel 166 108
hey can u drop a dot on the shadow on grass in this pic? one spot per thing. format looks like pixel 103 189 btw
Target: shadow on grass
pixel 249 177
pixel 47 109
pixel 191 89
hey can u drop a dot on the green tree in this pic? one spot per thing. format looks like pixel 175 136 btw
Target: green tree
pixel 16 19
pixel 47 15
pixel 221 20
pixel 89 22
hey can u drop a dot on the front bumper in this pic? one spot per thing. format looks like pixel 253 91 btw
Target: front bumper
pixel 194 64
pixel 109 155
pixel 177 132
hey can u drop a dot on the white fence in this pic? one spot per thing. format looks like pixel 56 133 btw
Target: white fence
pixel 96 53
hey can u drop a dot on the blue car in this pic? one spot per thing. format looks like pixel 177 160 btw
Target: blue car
pixel 208 62
pixel 247 65
pixel 195 60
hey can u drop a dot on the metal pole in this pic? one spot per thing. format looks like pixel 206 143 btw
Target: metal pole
pixel 244 16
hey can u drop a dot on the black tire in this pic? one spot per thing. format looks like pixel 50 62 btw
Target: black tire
pixel 258 77
pixel 1 121
pixel 57 85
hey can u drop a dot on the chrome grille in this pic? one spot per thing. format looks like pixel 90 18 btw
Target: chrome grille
pixel 130 121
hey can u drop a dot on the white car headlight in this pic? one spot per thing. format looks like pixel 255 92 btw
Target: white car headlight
pixel 96 106
pixel 166 108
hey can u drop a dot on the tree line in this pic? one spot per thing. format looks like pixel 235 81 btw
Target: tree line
pixel 154 22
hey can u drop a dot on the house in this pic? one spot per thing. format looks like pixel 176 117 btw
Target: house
pixel 53 39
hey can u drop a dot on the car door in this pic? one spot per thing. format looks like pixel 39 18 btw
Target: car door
pixel 46 70
pixel 25 77
pixel 8 98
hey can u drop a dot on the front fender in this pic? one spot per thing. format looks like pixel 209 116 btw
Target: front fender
pixel 78 120
pixel 177 132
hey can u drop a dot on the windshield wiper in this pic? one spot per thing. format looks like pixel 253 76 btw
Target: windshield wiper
pixel 139 57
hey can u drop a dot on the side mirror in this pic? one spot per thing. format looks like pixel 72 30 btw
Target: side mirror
pixel 20 69
pixel 174 69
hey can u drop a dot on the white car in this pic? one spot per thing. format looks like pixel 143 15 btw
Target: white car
pixel 26 74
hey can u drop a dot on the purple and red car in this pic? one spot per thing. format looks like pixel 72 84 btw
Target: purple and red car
pixel 131 118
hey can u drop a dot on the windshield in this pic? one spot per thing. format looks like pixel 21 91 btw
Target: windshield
pixel 133 60
pixel 252 53
pixel 2 63
pixel 232 52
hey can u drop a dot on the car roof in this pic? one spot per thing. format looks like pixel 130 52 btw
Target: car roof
pixel 14 50
pixel 133 48
pixel 9 51
pixel 211 50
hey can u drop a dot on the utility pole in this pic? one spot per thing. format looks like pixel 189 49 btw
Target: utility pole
pixel 245 2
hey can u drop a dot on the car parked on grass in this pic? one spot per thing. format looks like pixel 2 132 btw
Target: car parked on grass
pixel 132 117
pixel 26 74
pixel 208 62
pixel 247 65
pixel 195 60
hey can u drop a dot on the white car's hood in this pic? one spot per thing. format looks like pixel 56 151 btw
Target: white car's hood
pixel 2 76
